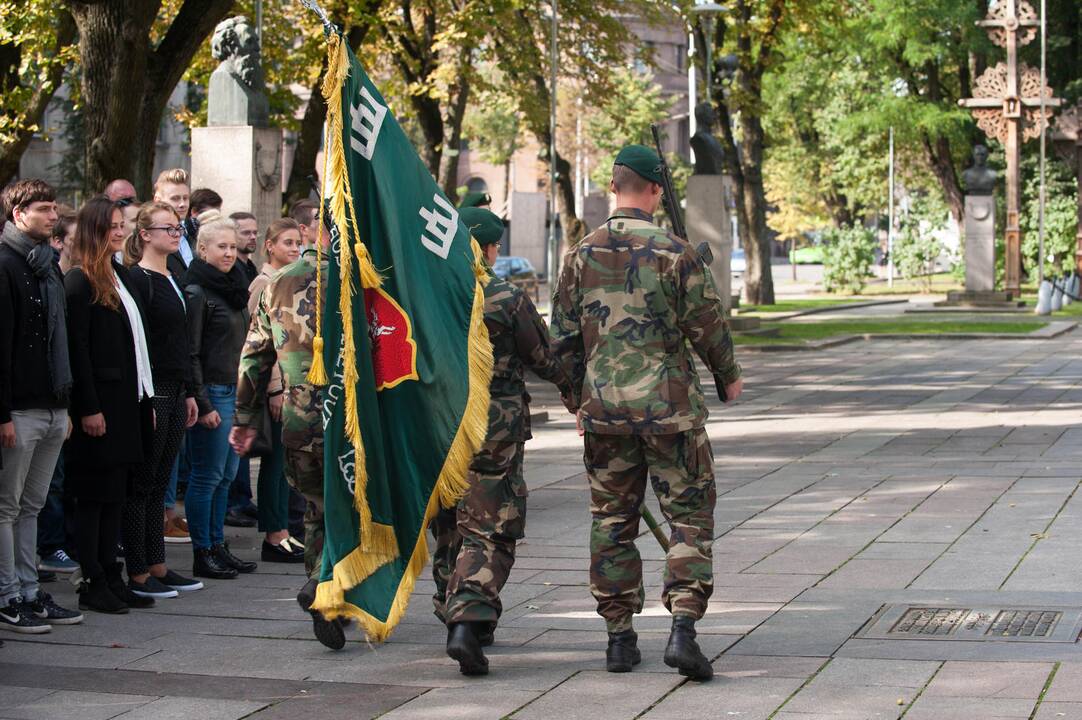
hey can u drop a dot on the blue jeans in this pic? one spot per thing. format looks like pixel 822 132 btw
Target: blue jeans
pixel 214 465
pixel 181 466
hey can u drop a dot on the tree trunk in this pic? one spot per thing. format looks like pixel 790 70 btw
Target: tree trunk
pixel 310 134
pixel 11 153
pixel 126 85
pixel 941 162
pixel 759 277
pixel 448 178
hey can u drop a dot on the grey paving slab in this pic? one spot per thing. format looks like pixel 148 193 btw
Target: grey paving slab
pixel 476 702
pixel 744 697
pixel 176 708
pixel 954 708
pixel 1059 711
pixel 990 680
pixel 599 695
pixel 81 704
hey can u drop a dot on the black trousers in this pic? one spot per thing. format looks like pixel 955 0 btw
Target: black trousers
pixel 144 544
pixel 97 527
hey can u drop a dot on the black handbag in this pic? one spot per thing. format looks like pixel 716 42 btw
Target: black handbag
pixel 263 444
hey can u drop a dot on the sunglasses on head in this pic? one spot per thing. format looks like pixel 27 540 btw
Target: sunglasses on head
pixel 125 202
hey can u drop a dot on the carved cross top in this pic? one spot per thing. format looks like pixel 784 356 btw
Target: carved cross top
pixel 1010 91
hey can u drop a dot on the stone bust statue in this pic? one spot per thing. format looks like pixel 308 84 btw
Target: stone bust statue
pixel 709 155
pixel 236 94
pixel 979 179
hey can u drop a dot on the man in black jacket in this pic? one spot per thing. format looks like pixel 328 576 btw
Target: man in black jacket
pixel 35 381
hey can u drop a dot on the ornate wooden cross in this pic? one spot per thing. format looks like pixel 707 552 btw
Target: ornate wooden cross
pixel 1007 105
pixel 1068 142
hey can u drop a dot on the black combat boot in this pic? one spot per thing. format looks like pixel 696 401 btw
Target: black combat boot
pixel 623 652
pixel 464 646
pixel 94 594
pixel 207 564
pixel 486 634
pixel 115 580
pixel 230 560
pixel 331 633
pixel 683 652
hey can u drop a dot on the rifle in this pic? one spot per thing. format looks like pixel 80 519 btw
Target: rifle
pixel 671 205
pixel 673 208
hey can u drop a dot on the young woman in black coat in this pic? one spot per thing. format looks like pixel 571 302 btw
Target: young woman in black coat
pixel 110 401
pixel 156 236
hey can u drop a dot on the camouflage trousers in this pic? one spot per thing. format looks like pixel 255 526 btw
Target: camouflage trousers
pixel 304 472
pixel 475 542
pixel 681 470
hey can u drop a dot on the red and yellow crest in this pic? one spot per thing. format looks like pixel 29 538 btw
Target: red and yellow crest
pixel 394 352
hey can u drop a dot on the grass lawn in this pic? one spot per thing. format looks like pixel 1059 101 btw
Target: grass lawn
pixel 786 306
pixel 793 332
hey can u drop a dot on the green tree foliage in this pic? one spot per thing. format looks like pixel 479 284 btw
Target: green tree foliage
pixel 623 117
pixel 917 246
pixel 494 129
pixel 848 255
pixel 1060 216
pixel 36 43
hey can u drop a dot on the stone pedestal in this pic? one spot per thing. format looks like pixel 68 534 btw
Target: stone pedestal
pixel 708 221
pixel 980 233
pixel 243 164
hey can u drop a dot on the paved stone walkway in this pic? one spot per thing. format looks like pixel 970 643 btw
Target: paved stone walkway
pixel 934 474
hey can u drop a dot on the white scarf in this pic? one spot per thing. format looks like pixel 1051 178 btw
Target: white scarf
pixel 145 381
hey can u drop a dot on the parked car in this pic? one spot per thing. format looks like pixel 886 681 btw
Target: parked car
pixel 519 272
pixel 738 263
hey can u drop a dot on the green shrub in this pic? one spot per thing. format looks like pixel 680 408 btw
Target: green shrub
pixel 917 248
pixel 848 255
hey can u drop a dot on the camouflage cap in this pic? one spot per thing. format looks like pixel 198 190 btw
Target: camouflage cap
pixel 475 199
pixel 485 226
pixel 643 160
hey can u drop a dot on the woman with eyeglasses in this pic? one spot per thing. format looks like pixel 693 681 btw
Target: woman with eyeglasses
pixel 217 297
pixel 110 401
pixel 156 236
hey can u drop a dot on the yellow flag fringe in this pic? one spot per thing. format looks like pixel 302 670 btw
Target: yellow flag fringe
pixel 378 544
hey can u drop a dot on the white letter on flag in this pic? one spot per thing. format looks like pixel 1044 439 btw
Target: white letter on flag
pixel 440 226
pixel 373 114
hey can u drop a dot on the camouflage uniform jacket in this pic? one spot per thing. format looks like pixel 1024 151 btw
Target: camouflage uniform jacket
pixel 281 332
pixel 629 299
pixel 519 340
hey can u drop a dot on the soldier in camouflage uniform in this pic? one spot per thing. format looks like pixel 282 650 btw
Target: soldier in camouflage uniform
pixel 475 542
pixel 282 331
pixel 631 303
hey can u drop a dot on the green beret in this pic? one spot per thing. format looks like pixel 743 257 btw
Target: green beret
pixel 485 226
pixel 475 199
pixel 642 160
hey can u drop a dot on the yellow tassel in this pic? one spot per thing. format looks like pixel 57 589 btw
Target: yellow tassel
pixel 317 374
pixel 370 277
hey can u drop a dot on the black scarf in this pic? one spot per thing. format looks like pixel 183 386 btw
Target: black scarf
pixel 230 286
pixel 41 257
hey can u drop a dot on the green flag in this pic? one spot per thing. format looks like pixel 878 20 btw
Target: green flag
pixel 403 336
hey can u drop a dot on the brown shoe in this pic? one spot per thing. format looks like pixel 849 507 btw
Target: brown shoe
pixel 176 531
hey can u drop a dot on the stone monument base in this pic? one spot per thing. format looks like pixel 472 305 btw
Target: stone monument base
pixel 980 254
pixel 708 221
pixel 243 164
pixel 984 300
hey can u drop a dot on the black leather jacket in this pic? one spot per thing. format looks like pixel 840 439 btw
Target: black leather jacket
pixel 216 334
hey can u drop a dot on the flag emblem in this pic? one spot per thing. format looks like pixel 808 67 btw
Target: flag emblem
pixel 394 352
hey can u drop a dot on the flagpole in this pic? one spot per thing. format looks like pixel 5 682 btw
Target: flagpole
pixel 553 212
